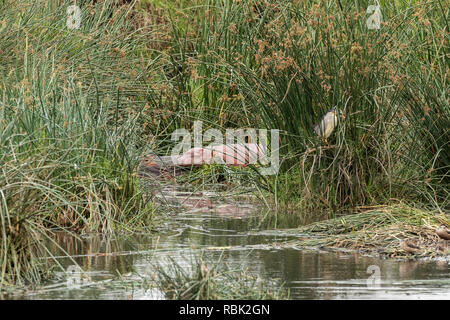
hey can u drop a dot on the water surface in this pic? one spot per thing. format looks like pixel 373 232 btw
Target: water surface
pixel 232 233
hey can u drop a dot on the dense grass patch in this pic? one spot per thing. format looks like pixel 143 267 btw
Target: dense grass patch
pixel 381 231
pixel 207 281
pixel 70 105
pixel 283 64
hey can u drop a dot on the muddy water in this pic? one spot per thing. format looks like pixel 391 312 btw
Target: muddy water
pixel 233 233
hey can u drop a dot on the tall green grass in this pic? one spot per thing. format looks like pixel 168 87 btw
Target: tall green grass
pixel 283 64
pixel 71 106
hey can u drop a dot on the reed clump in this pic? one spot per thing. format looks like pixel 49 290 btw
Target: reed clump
pixel 207 281
pixel 69 113
pixel 396 231
pixel 282 65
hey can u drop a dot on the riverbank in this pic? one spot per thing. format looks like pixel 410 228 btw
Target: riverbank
pixel 398 231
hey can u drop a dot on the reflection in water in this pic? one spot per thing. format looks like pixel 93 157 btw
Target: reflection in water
pixel 122 267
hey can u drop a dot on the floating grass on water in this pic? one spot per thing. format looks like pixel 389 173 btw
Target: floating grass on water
pixel 200 280
pixel 379 231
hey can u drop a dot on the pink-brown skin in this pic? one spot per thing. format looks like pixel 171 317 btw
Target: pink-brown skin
pixel 233 154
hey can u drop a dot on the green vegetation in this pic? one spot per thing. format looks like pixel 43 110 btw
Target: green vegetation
pixel 79 108
pixel 212 282
pixel 379 231
pixel 282 64
pixel 68 130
